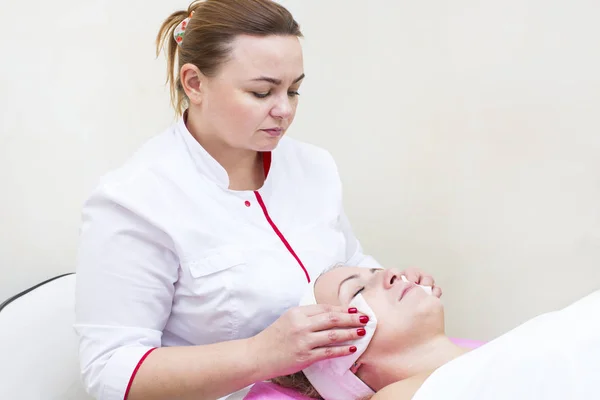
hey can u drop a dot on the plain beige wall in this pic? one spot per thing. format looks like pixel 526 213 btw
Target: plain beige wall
pixel 467 134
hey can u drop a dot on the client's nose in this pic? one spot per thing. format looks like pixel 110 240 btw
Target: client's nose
pixel 391 277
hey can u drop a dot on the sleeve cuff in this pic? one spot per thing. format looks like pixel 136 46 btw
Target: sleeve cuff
pixel 120 371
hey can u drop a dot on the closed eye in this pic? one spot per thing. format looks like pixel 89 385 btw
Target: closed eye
pixel 358 292
pixel 373 271
pixel 259 95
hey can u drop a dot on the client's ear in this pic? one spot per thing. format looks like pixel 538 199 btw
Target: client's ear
pixel 355 367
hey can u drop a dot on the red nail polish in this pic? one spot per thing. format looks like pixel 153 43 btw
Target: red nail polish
pixel 364 319
pixel 352 310
pixel 361 332
pixel 352 349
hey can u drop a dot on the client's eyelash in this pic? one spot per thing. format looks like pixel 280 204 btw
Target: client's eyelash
pixel 358 292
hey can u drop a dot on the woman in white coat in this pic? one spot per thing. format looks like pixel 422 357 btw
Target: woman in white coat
pixel 195 252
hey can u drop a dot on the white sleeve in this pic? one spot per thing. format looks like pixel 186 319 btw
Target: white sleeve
pixel 354 252
pixel 126 271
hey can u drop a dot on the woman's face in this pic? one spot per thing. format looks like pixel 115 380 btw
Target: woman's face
pixel 406 314
pixel 252 100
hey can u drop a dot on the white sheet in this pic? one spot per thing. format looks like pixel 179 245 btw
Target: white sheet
pixel 239 395
pixel 555 356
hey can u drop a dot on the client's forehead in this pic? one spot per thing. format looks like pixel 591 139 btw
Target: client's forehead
pixel 326 286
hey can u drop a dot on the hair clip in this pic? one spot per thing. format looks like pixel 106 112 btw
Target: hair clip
pixel 180 29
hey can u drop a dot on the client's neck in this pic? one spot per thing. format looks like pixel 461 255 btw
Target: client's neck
pixel 426 356
pixel 418 358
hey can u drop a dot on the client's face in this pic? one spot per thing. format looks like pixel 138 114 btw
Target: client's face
pixel 406 314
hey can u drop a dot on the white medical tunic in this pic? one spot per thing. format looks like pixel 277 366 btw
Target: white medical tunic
pixel 169 256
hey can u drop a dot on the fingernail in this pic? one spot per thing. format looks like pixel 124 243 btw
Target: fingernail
pixel 364 319
pixel 352 310
pixel 352 349
pixel 361 332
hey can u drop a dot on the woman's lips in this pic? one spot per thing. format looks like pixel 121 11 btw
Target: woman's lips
pixel 274 132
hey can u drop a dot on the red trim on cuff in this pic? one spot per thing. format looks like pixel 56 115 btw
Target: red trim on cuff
pixel 137 367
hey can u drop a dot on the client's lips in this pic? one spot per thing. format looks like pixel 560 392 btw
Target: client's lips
pixel 407 288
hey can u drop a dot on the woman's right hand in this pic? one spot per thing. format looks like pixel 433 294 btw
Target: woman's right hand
pixel 304 335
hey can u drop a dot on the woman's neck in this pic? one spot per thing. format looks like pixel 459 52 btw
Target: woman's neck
pixel 244 167
pixel 417 359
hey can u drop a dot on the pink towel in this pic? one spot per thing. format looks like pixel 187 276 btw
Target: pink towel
pixel 467 343
pixel 271 391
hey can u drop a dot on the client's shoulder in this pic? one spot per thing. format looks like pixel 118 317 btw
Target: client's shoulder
pixel 404 389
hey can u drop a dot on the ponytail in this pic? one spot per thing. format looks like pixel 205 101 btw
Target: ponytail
pixel 166 40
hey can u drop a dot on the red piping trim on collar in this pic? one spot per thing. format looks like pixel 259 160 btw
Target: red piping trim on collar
pixel 266 157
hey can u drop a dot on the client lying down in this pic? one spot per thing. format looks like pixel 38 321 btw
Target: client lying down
pixel 405 353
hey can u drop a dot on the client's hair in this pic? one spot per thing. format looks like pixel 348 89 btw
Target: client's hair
pixel 298 382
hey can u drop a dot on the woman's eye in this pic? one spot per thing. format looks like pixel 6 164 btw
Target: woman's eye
pixel 293 93
pixel 261 95
pixel 358 292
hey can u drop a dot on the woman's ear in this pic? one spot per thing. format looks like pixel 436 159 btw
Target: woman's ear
pixel 192 81
pixel 355 367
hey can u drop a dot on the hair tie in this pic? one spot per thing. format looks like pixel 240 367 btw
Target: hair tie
pixel 180 29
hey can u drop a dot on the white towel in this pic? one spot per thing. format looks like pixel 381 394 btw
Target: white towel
pixel 555 356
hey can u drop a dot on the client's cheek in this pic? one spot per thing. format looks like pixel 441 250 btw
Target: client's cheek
pixel 378 303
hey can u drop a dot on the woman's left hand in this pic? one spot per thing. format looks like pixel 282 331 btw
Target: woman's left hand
pixel 419 277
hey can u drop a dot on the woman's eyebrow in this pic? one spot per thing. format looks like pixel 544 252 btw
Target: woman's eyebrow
pixel 355 276
pixel 275 81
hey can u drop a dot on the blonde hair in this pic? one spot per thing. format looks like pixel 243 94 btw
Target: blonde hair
pixel 213 25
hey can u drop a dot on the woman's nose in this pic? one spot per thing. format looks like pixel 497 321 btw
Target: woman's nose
pixel 283 108
pixel 391 277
